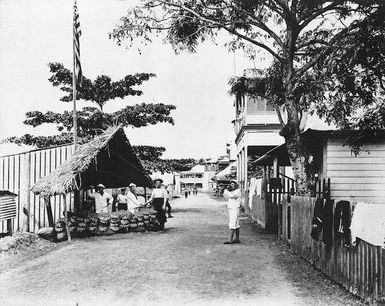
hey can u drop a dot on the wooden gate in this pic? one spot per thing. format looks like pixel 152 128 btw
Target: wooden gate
pixel 266 209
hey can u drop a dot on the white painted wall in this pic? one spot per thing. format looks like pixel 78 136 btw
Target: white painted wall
pixel 267 118
pixel 360 178
pixel 264 138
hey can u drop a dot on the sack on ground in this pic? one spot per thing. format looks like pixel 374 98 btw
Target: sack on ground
pixel 47 233
pixel 61 236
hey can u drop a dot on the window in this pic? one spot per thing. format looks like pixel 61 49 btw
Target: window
pixel 255 105
pixel 199 175
pixel 198 185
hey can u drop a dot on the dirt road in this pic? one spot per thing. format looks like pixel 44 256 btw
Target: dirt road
pixel 187 265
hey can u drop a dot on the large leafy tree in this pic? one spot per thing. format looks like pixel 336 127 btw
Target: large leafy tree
pixel 327 56
pixel 99 91
pixel 93 120
pixel 152 161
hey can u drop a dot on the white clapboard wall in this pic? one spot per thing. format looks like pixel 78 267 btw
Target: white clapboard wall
pixel 19 172
pixel 356 178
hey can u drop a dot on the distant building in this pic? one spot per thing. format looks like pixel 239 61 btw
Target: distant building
pixel 211 165
pixel 171 180
pixel 197 177
pixel 223 162
pixel 257 127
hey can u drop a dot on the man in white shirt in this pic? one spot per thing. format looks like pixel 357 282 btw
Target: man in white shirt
pixel 233 194
pixel 103 200
pixel 122 199
pixel 133 202
pixel 158 200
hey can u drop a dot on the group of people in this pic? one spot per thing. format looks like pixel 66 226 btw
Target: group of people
pixel 187 191
pixel 159 200
pixel 128 200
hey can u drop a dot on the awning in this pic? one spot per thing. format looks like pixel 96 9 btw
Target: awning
pixel 279 152
pixel 227 174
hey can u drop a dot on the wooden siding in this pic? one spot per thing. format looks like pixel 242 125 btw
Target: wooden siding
pixel 19 172
pixel 356 178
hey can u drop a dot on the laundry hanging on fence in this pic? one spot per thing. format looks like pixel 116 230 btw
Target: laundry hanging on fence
pixel 327 229
pixel 252 191
pixel 368 223
pixel 317 221
pixel 258 187
pixel 342 221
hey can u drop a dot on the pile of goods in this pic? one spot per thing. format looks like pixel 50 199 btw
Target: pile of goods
pixel 103 224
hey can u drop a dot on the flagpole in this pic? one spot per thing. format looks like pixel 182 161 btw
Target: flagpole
pixel 75 119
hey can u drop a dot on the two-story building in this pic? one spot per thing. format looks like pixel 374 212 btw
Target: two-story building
pixel 257 129
pixel 197 177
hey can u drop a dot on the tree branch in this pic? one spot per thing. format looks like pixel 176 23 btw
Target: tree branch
pixel 313 15
pixel 286 13
pixel 260 24
pixel 223 26
pixel 327 48
pixel 312 42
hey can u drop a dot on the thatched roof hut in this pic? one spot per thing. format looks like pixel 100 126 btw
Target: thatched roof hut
pixel 108 159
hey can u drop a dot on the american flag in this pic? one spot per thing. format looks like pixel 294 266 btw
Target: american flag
pixel 77 34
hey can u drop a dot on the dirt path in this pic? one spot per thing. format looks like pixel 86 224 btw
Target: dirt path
pixel 187 265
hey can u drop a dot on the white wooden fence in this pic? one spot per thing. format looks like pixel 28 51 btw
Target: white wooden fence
pixel 18 173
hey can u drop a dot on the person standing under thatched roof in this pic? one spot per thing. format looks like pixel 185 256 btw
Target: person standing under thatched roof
pixel 133 202
pixel 103 200
pixel 122 199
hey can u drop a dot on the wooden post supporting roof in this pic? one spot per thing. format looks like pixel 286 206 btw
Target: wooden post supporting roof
pixel 47 201
pixel 66 217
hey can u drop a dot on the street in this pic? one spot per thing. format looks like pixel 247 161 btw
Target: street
pixel 186 265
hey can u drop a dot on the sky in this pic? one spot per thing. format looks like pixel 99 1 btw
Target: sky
pixel 36 32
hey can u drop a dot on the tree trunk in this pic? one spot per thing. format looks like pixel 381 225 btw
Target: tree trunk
pixel 300 161
pixel 299 155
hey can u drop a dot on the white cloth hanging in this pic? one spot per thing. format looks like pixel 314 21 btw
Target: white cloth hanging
pixel 368 223
pixel 252 191
pixel 259 187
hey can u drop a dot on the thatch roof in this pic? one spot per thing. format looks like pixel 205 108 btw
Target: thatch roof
pixel 108 159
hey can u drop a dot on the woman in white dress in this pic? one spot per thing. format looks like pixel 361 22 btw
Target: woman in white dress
pixel 233 196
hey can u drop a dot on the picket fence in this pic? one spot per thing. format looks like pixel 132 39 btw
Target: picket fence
pixel 18 173
pixel 359 269
pixel 263 211
pixel 265 208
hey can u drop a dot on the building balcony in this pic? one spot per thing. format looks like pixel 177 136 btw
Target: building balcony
pixel 261 119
